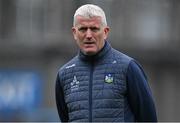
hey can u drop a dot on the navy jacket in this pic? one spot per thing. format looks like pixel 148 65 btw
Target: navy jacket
pixel 107 87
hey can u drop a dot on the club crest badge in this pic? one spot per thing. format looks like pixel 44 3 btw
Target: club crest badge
pixel 109 78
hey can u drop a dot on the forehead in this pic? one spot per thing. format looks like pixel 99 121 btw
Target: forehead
pixel 83 21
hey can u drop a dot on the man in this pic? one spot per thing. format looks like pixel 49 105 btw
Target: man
pixel 101 84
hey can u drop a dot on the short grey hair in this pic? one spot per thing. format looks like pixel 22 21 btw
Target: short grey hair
pixel 89 11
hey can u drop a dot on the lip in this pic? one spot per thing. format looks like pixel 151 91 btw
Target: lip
pixel 89 42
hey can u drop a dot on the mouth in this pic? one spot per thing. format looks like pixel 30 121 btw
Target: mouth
pixel 89 42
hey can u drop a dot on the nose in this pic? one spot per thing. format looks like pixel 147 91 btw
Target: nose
pixel 88 34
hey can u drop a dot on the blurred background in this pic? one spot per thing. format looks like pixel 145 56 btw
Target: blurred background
pixel 36 40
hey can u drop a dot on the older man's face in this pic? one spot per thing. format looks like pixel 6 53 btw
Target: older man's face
pixel 89 34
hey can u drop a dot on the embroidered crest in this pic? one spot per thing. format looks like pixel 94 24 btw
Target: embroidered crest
pixel 74 84
pixel 108 78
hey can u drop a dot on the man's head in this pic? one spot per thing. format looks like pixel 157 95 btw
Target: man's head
pixel 90 28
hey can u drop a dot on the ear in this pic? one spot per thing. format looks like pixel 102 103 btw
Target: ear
pixel 74 32
pixel 106 32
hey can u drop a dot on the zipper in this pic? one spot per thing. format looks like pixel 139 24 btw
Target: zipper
pixel 90 92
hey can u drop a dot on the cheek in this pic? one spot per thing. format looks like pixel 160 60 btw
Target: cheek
pixel 79 41
pixel 79 37
pixel 101 40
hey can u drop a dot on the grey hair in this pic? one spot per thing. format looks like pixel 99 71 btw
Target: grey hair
pixel 89 11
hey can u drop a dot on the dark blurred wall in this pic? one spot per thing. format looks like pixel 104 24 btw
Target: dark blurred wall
pixel 36 35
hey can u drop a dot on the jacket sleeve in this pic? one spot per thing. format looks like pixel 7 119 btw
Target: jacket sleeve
pixel 60 102
pixel 139 94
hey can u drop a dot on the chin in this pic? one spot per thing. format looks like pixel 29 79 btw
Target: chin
pixel 90 53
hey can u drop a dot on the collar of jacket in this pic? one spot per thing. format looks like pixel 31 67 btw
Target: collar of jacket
pixel 99 55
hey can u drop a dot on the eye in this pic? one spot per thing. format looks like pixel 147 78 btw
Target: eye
pixel 94 29
pixel 83 29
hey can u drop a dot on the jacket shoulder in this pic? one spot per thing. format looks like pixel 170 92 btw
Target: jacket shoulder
pixel 69 64
pixel 121 57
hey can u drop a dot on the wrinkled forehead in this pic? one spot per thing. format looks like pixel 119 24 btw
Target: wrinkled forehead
pixel 88 20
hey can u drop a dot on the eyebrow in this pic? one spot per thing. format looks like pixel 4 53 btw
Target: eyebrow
pixel 92 28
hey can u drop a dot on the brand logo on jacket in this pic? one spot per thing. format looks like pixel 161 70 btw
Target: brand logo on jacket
pixel 114 62
pixel 74 84
pixel 73 65
pixel 109 78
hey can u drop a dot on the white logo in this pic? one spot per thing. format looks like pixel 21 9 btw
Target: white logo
pixel 73 65
pixel 74 84
pixel 114 62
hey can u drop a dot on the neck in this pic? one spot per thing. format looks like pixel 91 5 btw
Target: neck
pixel 96 56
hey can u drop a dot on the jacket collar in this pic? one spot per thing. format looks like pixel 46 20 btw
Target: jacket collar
pixel 97 56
